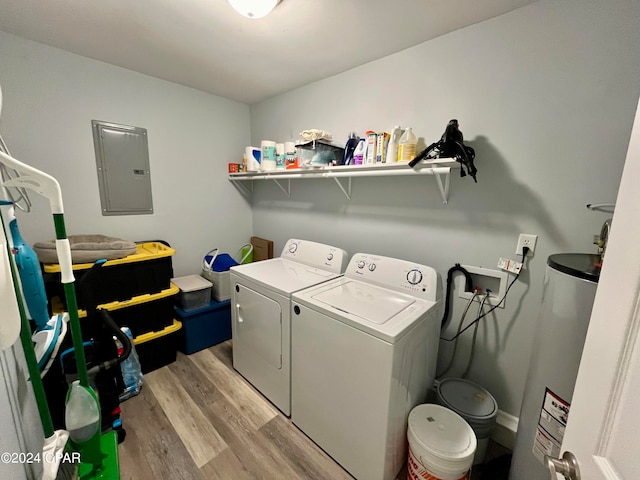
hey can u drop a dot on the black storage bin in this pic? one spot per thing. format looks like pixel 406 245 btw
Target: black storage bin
pixel 145 313
pixel 147 271
pixel 157 349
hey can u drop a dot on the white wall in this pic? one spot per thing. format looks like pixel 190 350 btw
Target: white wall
pixel 50 98
pixel 545 95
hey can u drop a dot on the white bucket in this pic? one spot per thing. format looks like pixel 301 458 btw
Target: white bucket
pixel 441 444
pixel 473 403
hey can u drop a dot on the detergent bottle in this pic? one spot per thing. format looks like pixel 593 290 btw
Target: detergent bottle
pixel 359 152
pixel 392 147
pixel 349 148
pixel 407 146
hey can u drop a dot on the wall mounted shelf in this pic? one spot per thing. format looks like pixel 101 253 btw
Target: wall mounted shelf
pixel 342 174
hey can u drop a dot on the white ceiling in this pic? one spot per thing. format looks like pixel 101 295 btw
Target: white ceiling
pixel 206 45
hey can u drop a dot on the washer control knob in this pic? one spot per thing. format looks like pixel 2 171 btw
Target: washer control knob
pixel 414 277
pixel 293 247
pixel 360 264
pixel 330 257
pixel 372 267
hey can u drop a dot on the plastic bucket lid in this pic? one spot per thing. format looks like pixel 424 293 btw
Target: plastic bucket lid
pixel 441 440
pixel 472 402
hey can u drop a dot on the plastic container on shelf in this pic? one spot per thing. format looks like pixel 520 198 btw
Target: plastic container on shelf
pixel 291 156
pixel 318 152
pixel 280 157
pixel 359 152
pixel 349 148
pixel 253 155
pixel 407 146
pixel 372 148
pixel 268 155
pixel 392 147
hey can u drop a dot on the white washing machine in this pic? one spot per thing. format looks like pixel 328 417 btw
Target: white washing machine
pixel 364 350
pixel 261 312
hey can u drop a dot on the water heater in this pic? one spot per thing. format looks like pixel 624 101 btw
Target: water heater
pixel 569 290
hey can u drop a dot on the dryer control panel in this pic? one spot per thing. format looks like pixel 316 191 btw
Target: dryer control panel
pixel 407 277
pixel 317 255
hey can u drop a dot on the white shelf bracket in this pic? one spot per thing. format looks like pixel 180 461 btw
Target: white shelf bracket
pixel 248 191
pixel 347 191
pixel 444 187
pixel 287 191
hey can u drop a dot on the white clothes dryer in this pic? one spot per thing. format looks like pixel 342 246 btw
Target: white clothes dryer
pixel 364 350
pixel 261 312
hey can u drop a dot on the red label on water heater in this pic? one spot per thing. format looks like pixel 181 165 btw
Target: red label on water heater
pixel 551 426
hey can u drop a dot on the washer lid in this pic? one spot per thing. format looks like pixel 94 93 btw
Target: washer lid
pixel 284 276
pixel 467 398
pixel 373 304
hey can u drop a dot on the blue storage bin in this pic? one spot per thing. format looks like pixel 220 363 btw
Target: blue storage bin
pixel 206 326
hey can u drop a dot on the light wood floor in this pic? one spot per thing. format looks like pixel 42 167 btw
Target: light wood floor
pixel 199 419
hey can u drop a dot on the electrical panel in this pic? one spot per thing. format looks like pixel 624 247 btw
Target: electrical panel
pixel 124 177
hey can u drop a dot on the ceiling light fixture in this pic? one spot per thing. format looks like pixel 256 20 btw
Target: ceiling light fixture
pixel 253 8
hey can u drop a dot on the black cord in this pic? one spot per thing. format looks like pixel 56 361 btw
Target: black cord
pixel 468 287
pixel 524 256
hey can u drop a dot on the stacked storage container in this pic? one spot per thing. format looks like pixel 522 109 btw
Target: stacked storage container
pixel 206 321
pixel 138 293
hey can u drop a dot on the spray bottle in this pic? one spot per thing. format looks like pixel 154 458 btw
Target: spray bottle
pixel 392 147
pixel 407 146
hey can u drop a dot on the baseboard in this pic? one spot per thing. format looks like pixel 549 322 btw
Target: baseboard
pixel 505 431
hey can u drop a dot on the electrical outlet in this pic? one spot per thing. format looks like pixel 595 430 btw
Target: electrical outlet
pixel 526 240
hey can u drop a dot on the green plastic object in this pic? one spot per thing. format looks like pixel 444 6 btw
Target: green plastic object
pixel 246 254
pixel 109 468
pixel 95 461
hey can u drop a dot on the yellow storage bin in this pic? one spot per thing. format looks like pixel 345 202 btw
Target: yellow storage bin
pixel 157 349
pixel 148 271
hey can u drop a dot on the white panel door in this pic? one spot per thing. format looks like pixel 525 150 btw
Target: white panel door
pixel 603 426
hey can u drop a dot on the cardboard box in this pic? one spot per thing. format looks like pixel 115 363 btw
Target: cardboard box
pixel 262 248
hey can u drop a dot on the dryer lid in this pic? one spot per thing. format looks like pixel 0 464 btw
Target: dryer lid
pixel 368 302
pixel 281 275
